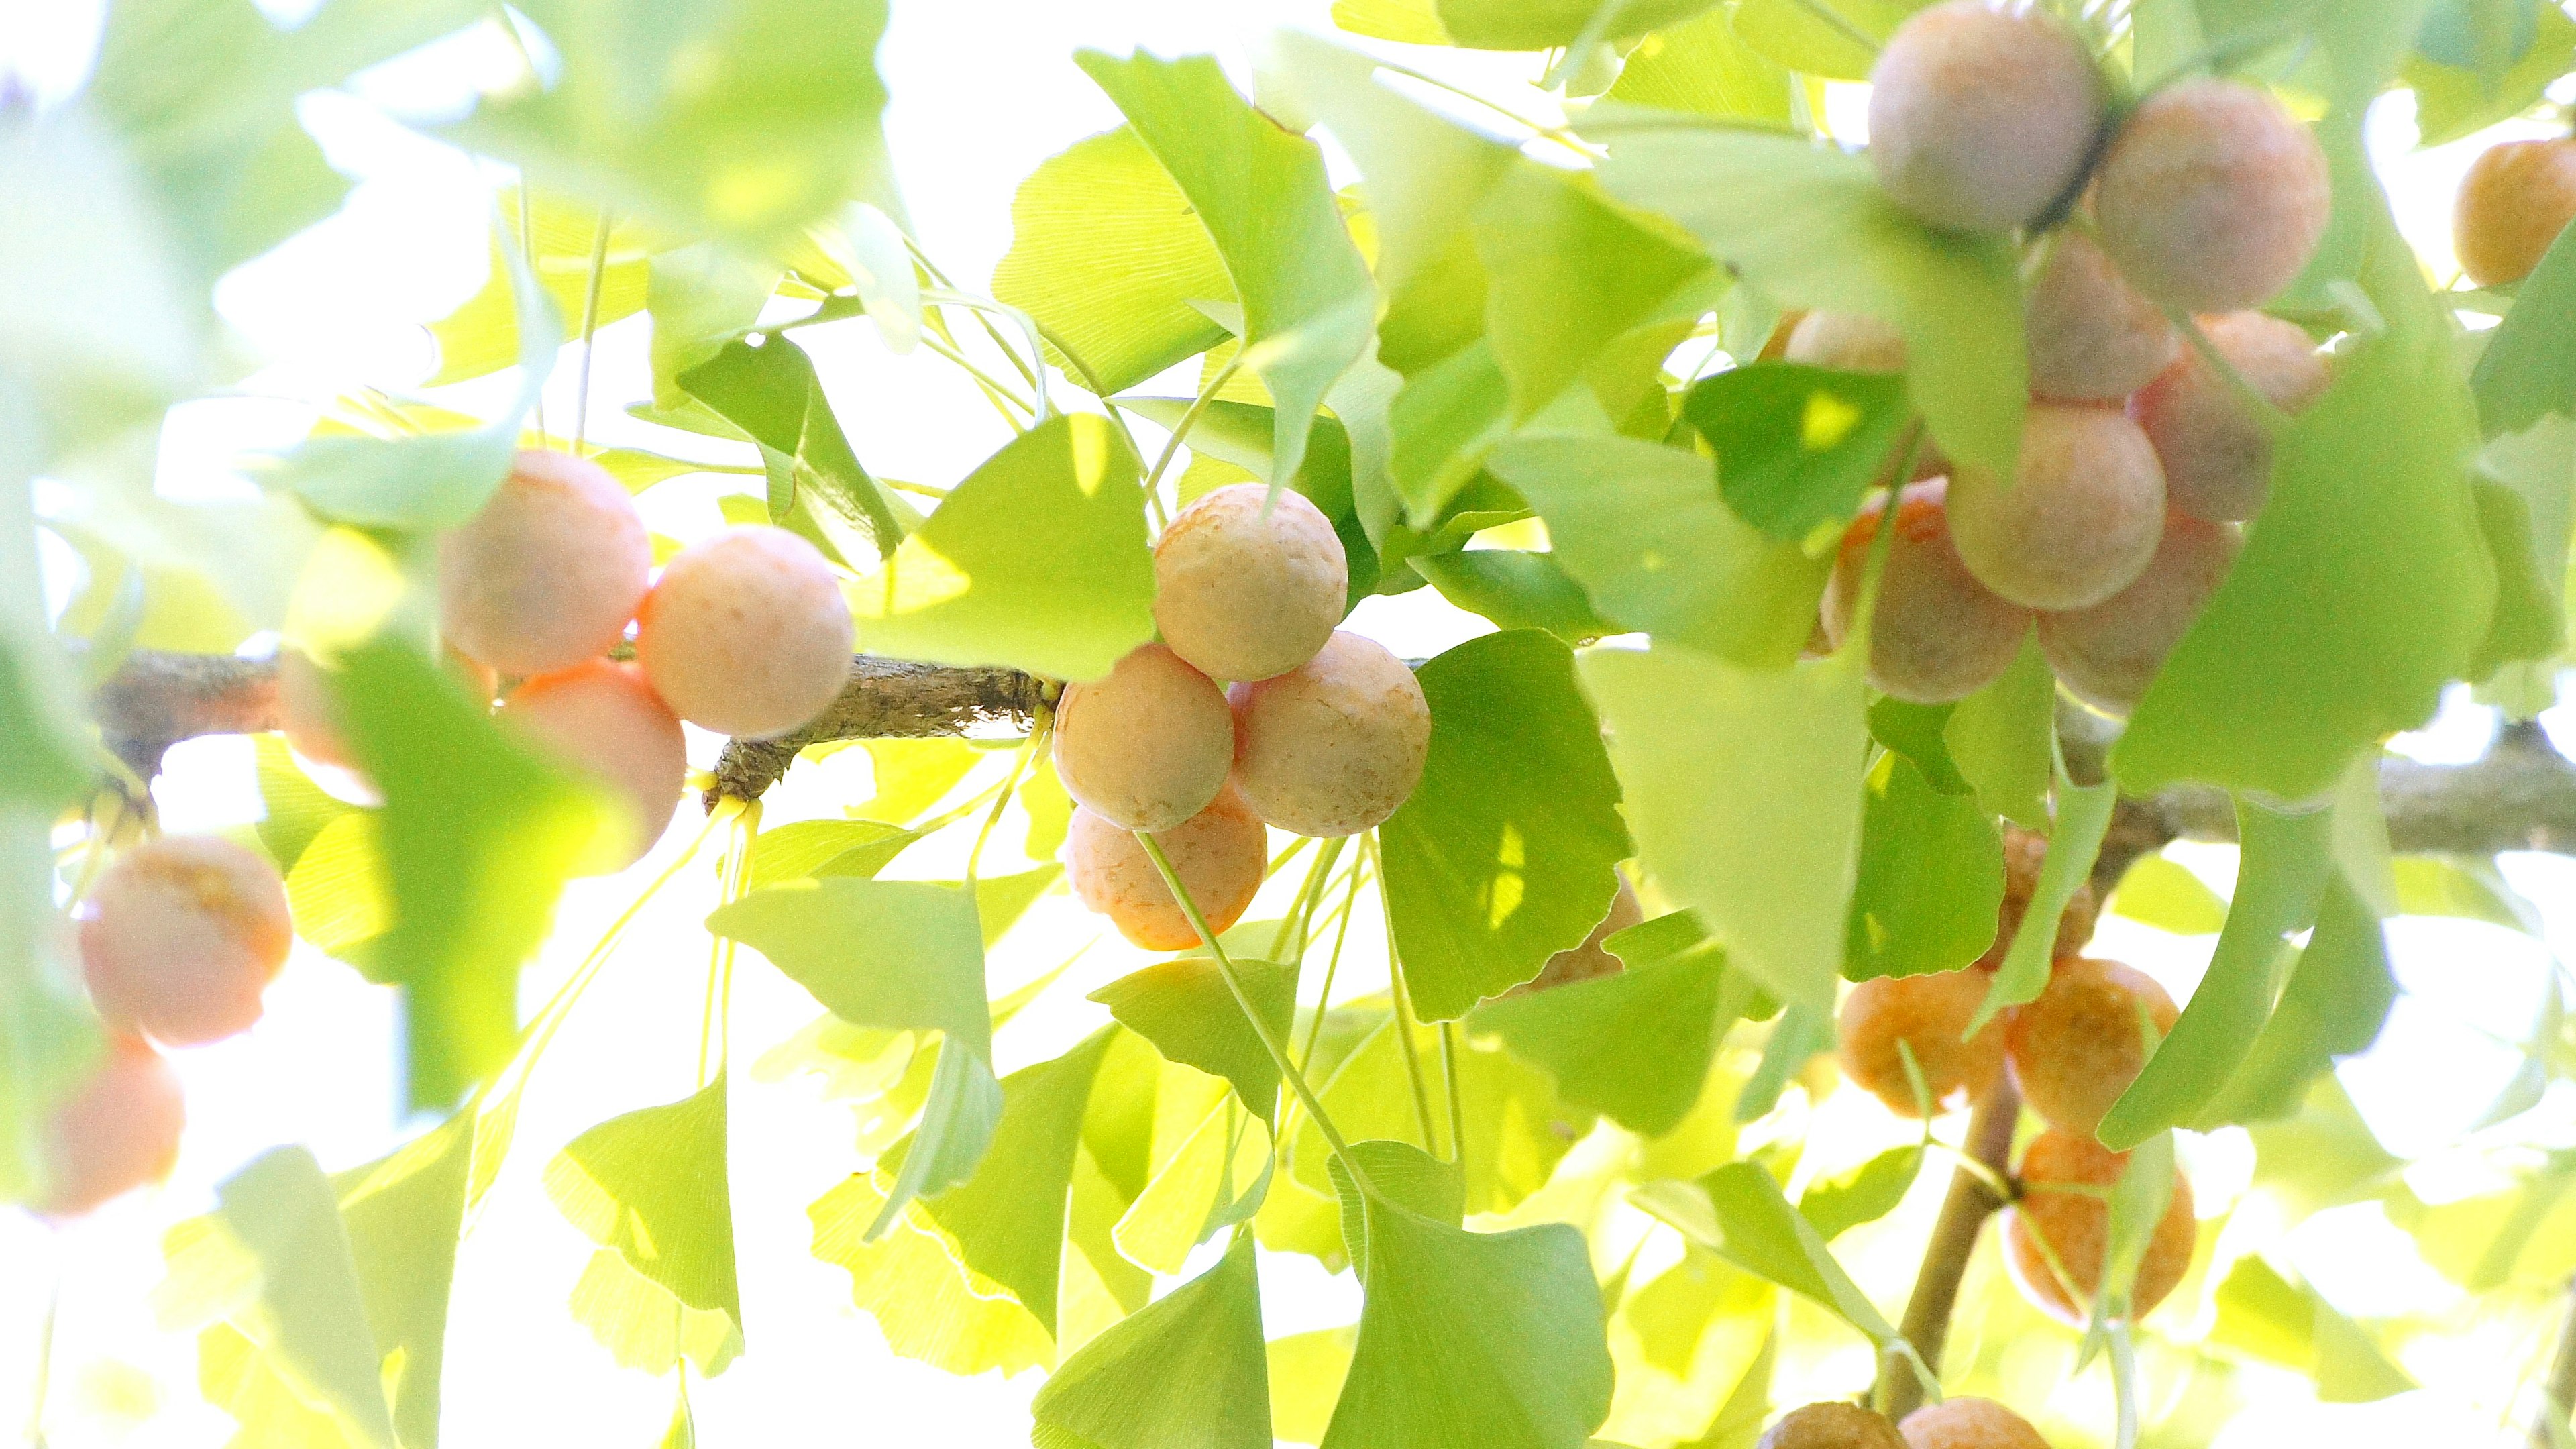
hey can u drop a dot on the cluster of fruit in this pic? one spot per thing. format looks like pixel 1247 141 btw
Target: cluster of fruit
pixel 1962 1423
pixel 2072 1052
pixel 2141 452
pixel 1322 733
pixel 745 633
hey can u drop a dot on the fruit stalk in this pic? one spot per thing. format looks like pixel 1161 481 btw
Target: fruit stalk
pixel 1954 1238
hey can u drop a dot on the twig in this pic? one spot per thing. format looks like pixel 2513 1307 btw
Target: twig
pixel 2549 1428
pixel 1954 1239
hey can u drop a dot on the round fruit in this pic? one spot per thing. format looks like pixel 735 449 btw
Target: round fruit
pixel 2108 654
pixel 1930 1015
pixel 2092 337
pixel 2076 1228
pixel 1850 341
pixel 1939 635
pixel 1333 746
pixel 308 713
pixel 1246 596
pixel 2217 457
pixel 2080 522
pixel 1218 853
pixel 2080 1045
pixel 2516 199
pixel 746 633
pixel 183 934
pixel 1147 747
pixel 605 721
pixel 116 1132
pixel 2212 197
pixel 1968 1423
pixel 1979 118
pixel 1831 1424
pixel 549 572
pixel 1591 959
pixel 2024 852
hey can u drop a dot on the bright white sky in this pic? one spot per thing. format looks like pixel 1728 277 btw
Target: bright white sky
pixel 982 94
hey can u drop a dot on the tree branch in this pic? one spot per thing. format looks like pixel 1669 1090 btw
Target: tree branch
pixel 2549 1427
pixel 1954 1239
pixel 156 699
pixel 885 699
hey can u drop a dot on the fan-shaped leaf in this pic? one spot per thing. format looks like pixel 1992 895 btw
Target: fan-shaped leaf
pixel 1635 1046
pixel 650 1187
pixel 1185 1009
pixel 1191 1369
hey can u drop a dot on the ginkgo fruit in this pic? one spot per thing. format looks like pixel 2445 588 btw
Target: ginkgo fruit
pixel 2077 1047
pixel 1937 635
pixel 181 936
pixel 1886 1017
pixel 308 708
pixel 1249 583
pixel 1831 1424
pixel 1968 1423
pixel 117 1131
pixel 2108 654
pixel 1334 745
pixel 2217 456
pixel 2091 336
pixel 2212 197
pixel 2074 1227
pixel 1850 341
pixel 1590 960
pixel 2515 200
pixel 2079 522
pixel 1219 854
pixel 1980 118
pixel 550 570
pixel 746 633
pixel 1147 746
pixel 2025 851
pixel 604 720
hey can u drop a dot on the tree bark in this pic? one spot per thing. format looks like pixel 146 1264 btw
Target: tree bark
pixel 1954 1240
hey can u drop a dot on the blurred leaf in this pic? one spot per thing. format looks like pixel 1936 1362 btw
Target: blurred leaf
pixel 1542 24
pixel 1037 561
pixel 772 394
pixel 1809 226
pixel 1797 446
pixel 1506 851
pixel 701 297
pixel 2074 843
pixel 1754 1227
pixel 2323 1156
pixel 1306 1371
pixel 2159 892
pixel 2529 624
pixel 309 1314
pixel 2453 101
pixel 2464 887
pixel 1863 1195
pixel 1570 272
pixel 2265 1316
pixel 1516 590
pixel 482 335
pixel 1703 66
pixel 293 810
pixel 2003 737
pixel 402 1213
pixel 1803 40
pixel 44 744
pixel 1001 900
pixel 651 1186
pixel 1747 806
pixel 1801 1033
pixel 1185 1009
pixel 1635 1046
pixel 1517 1126
pixel 2333 1006
pixel 1400 1173
pixel 2523 1236
pixel 177 608
pixel 1931 878
pixel 1190 1369
pixel 2137 1209
pixel 1308 305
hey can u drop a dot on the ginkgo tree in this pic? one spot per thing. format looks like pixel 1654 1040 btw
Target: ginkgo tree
pixel 1888 522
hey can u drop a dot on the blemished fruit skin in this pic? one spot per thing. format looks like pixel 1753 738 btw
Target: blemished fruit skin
pixel 2079 1046
pixel 182 935
pixel 2076 1227
pixel 2091 336
pixel 1850 341
pixel 2080 522
pixel 549 572
pixel 2212 197
pixel 2025 851
pixel 1929 1014
pixel 2108 654
pixel 746 633
pixel 1831 1424
pixel 1939 635
pixel 1335 745
pixel 1591 960
pixel 1148 746
pixel 605 720
pixel 1244 597
pixel 1968 1423
pixel 1979 119
pixel 1218 853
pixel 2516 199
pixel 117 1131
pixel 2217 457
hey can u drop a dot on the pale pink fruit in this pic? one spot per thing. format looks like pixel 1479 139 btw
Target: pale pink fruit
pixel 604 720
pixel 1218 853
pixel 181 936
pixel 1335 745
pixel 746 633
pixel 1147 747
pixel 549 572
pixel 1241 595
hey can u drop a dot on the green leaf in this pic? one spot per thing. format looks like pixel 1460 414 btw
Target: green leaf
pixel 2160 893
pixel 2287 861
pixel 1802 1032
pixel 1755 1228
pixel 1863 1195
pixel 1644 530
pixel 2452 101
pixel 482 335
pixel 772 394
pixel 742 119
pixel 310 1314
pixel 1400 1173
pixel 812 848
pixel 1219 1175
pixel 1037 561
pixel 1704 67
pixel 1747 805
pixel 402 1214
pixel 2003 738
pixel 1190 1369
pixel 2074 843
pixel 1918 732
pixel 2527 505
pixel 44 764
pixel 2351 605
pixel 1931 878
pixel 2333 1006
pixel 1517 590
pixel 1542 24
pixel 1308 304
pixel 929 1305
pixel 1471 1339
pixel 1506 852
pixel 1517 1126
pixel 2265 1316
pixel 701 297
pixel 650 1187
pixel 1635 1046
pixel 1184 1008
pixel 1797 446
pixel 1809 226
pixel 2462 886
pixel 1802 39
pixel 478 835
pixel 2137 1208
pixel 1570 273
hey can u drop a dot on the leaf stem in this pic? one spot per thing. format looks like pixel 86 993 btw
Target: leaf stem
pixel 1181 429
pixel 2258 407
pixel 1835 19
pixel 1303 909
pixel 527 222
pixel 589 327
pixel 1402 1001
pixel 735 871
pixel 1002 798
pixel 1457 1099
pixel 1002 398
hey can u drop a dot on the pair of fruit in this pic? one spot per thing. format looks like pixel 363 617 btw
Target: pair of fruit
pixel 1961 1423
pixel 745 633
pixel 1323 732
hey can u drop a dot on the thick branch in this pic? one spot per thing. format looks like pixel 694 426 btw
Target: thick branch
pixel 885 699
pixel 1954 1239
pixel 156 699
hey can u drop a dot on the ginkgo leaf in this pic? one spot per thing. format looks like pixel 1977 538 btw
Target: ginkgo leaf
pixel 929 1306
pixel 2074 843
pixel 650 1188
pixel 1796 445
pixel 1190 1369
pixel 771 393
pixel 2336 1000
pixel 2264 1315
pixel 1931 878
pixel 403 1215
pixel 1185 1009
pixel 1400 1173
pixel 482 335
pixel 1635 1046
